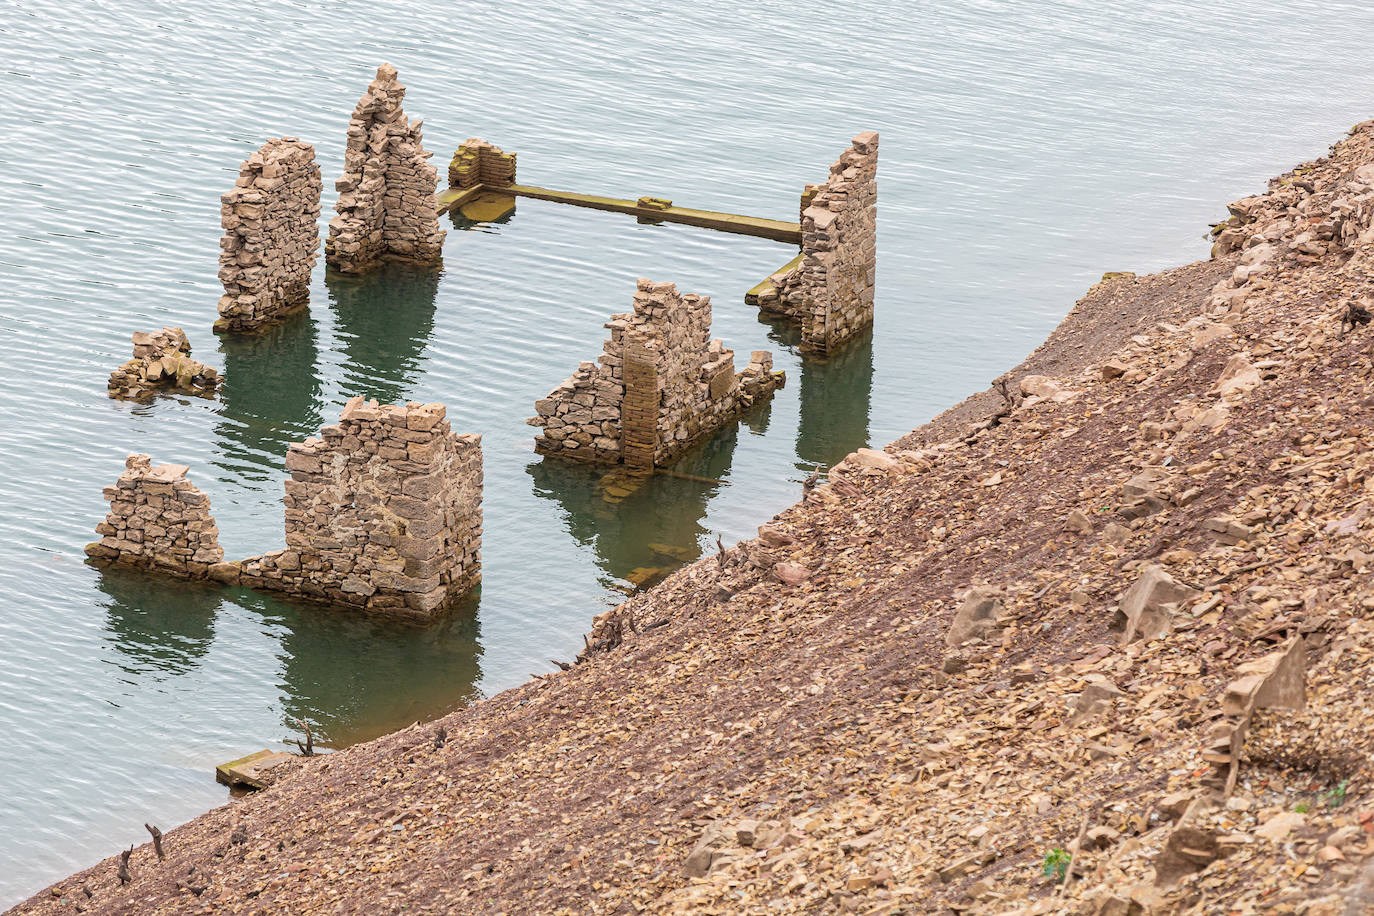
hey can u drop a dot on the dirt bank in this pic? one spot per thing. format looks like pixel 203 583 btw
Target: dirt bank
pixel 786 727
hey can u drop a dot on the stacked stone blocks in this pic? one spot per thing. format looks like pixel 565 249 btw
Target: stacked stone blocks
pixel 157 520
pixel 383 511
pixel 830 292
pixel 271 235
pixel 477 162
pixel 660 385
pixel 161 362
pixel 386 207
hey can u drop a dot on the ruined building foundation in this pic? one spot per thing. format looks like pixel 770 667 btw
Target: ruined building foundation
pixel 828 289
pixel 158 520
pixel 386 208
pixel 271 235
pixel 383 511
pixel 162 362
pixel 660 385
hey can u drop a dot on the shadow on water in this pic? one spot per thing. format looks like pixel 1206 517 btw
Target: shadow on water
pixel 385 321
pixel 158 627
pixel 270 397
pixel 642 528
pixel 835 395
pixel 355 677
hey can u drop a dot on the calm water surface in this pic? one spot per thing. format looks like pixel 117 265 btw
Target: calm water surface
pixel 1026 148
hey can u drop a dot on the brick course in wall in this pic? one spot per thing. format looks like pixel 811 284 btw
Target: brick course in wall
pixel 660 385
pixel 271 235
pixel 478 162
pixel 386 207
pixel 157 520
pixel 830 292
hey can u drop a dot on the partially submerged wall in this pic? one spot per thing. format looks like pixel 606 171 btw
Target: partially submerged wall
pixel 161 362
pixel 157 520
pixel 386 207
pixel 478 162
pixel 383 511
pixel 271 235
pixel 830 291
pixel 659 386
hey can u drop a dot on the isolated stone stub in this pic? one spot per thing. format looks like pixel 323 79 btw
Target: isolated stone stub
pixel 158 520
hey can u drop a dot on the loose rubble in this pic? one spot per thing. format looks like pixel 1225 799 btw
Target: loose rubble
pixel 271 235
pixel 660 385
pixel 785 726
pixel 162 362
pixel 386 207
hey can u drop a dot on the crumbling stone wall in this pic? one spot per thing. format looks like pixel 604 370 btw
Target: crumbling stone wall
pixel 383 511
pixel 386 207
pixel 478 162
pixel 660 385
pixel 162 362
pixel 158 520
pixel 830 292
pixel 271 235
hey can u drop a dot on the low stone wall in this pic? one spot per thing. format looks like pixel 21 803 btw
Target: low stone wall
pixel 162 362
pixel 157 520
pixel 478 162
pixel 830 292
pixel 659 386
pixel 383 511
pixel 271 235
pixel 386 207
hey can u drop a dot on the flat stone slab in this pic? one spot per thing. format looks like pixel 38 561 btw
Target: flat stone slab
pixel 251 771
pixel 487 207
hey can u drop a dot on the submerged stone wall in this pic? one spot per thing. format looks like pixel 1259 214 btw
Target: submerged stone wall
pixel 158 520
pixel 830 292
pixel 383 511
pixel 478 162
pixel 162 362
pixel 386 207
pixel 660 385
pixel 271 235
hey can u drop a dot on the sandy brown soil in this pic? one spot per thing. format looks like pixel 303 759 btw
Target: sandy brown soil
pixel 786 728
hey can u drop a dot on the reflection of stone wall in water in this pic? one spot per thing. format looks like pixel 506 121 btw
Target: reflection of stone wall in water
pixel 271 235
pixel 157 520
pixel 384 321
pixel 271 396
pixel 383 511
pixel 835 393
pixel 830 292
pixel 157 627
pixel 386 206
pixel 660 385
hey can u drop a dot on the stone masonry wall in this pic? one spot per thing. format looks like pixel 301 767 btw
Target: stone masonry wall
pixel 660 385
pixel 386 207
pixel 271 235
pixel 830 293
pixel 157 520
pixel 162 362
pixel 383 511
pixel 478 162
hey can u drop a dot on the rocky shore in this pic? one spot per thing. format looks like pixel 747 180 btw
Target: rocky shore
pixel 1097 640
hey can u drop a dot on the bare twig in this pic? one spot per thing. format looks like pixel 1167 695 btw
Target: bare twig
pixel 720 555
pixel 157 839
pixel 308 748
pixel 440 737
pixel 123 873
pixel 564 665
pixel 1077 845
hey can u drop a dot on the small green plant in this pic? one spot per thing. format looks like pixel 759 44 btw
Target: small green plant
pixel 1335 797
pixel 1056 864
pixel 1302 807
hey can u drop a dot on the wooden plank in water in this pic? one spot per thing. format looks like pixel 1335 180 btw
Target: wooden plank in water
pixel 449 198
pixel 777 230
pixel 251 771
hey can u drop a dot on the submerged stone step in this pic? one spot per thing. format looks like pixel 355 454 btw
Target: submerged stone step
pixel 252 771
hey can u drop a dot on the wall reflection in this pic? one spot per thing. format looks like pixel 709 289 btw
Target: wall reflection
pixel 158 627
pixel 385 321
pixel 836 394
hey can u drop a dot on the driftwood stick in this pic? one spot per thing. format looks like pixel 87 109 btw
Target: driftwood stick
pixel 157 839
pixel 308 748
pixel 123 873
pixel 440 737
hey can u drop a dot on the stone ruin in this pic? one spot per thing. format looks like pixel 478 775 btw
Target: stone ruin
pixel 383 511
pixel 157 520
pixel 660 385
pixel 162 362
pixel 386 207
pixel 271 235
pixel 829 291
pixel 477 162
